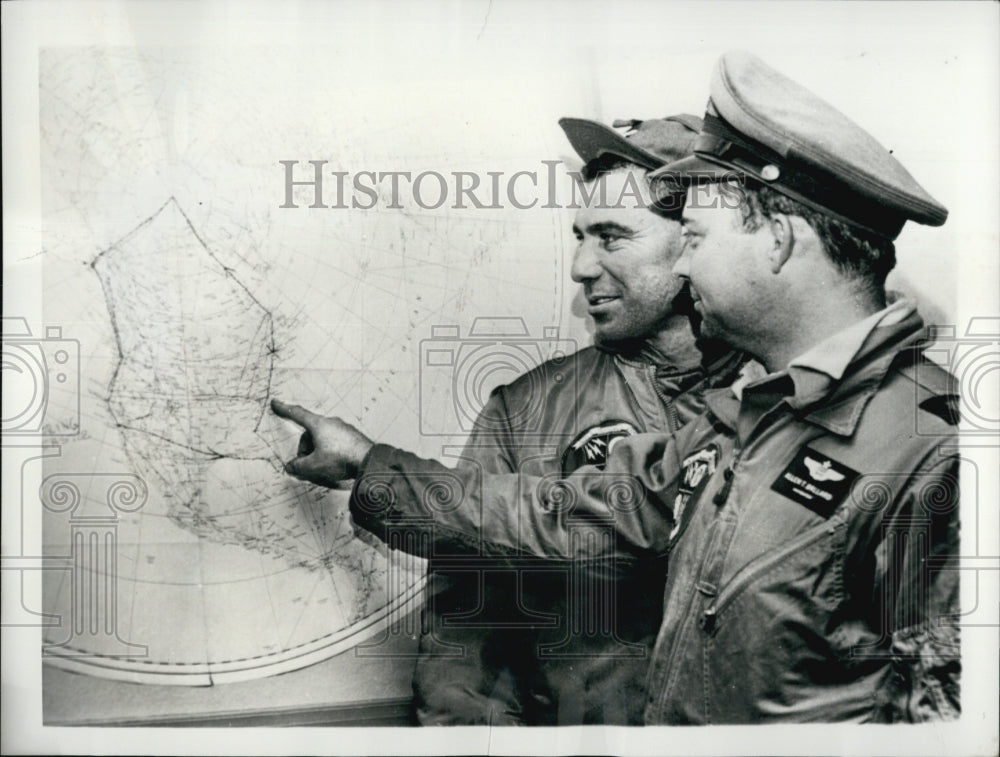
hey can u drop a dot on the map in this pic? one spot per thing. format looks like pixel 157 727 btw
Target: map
pixel 178 551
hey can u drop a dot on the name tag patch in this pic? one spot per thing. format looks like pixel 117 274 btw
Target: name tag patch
pixel 815 480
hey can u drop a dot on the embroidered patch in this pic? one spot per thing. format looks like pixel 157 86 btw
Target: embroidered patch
pixel 816 481
pixel 696 469
pixel 593 446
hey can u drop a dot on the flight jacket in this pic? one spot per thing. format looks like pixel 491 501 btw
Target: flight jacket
pixel 811 528
pixel 509 646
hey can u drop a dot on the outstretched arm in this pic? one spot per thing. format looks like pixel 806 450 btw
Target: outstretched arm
pixel 421 505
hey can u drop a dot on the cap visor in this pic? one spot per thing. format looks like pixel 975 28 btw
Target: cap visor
pixel 691 170
pixel 591 139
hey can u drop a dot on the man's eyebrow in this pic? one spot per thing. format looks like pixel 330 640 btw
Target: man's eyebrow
pixel 605 226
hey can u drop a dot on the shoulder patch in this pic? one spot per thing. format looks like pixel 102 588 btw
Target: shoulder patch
pixel 696 470
pixel 591 447
pixel 918 366
pixel 944 406
pixel 935 391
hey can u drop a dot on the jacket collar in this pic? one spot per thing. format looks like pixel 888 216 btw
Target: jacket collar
pixel 718 360
pixel 832 356
pixel 837 405
pixel 866 350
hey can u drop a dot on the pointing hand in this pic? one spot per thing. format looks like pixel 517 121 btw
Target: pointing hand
pixel 330 450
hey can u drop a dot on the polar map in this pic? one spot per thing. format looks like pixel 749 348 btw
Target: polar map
pixel 183 553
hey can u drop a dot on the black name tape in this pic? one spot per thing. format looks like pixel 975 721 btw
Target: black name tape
pixel 816 481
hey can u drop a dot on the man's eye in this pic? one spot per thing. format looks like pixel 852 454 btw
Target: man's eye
pixel 690 238
pixel 609 239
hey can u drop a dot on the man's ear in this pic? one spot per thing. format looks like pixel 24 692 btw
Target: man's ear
pixel 784 241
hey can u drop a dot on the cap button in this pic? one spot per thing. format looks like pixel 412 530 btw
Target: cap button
pixel 769 172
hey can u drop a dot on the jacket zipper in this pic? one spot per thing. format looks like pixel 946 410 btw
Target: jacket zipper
pixel 713 535
pixel 682 633
pixel 728 475
pixel 709 619
pixel 673 419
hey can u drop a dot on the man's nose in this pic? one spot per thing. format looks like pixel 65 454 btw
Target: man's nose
pixel 586 265
pixel 681 265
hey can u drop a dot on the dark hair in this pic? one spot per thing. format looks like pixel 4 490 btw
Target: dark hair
pixel 857 253
pixel 668 205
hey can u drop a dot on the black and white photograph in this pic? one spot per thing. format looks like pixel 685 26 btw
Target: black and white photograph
pixel 498 377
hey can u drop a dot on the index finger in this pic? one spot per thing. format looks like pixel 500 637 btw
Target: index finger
pixel 293 413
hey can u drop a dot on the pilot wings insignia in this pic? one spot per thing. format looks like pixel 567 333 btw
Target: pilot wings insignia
pixel 820 486
pixel 822 471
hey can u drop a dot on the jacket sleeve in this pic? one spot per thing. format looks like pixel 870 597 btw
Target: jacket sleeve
pixel 456 681
pixel 601 518
pixel 490 445
pixel 918 557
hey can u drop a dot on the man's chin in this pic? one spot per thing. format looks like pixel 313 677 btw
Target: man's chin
pixel 615 335
pixel 606 336
pixel 616 341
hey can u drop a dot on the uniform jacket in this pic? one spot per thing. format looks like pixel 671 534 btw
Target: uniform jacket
pixel 509 646
pixel 812 532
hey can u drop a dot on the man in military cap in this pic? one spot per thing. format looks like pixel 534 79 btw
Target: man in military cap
pixel 507 646
pixel 812 531
pixel 816 577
